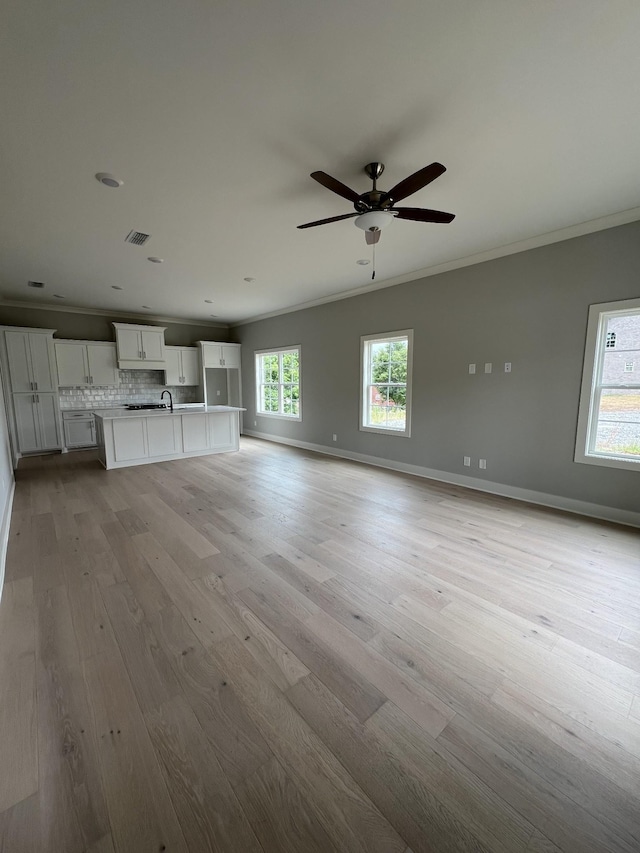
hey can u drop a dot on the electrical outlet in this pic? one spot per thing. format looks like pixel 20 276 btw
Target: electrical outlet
pixel 255 423
pixel 335 437
pixel 217 393
pixel 488 367
pixel 467 461
pixel 472 368
pixel 507 367
pixel 482 463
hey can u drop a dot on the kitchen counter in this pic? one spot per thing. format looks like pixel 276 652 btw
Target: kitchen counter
pixel 110 414
pixel 140 436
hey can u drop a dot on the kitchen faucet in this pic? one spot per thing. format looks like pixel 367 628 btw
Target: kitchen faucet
pixel 170 398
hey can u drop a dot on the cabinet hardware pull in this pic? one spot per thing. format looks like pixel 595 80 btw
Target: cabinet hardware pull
pixel 144 355
pixel 37 395
pixel 91 379
pixel 36 385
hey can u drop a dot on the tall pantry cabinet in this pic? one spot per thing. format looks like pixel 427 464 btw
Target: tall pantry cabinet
pixel 30 379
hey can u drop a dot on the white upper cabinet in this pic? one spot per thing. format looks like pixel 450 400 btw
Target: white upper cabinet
pixel 220 355
pixel 82 363
pixel 30 364
pixel 103 365
pixel 191 366
pixel 140 346
pixel 183 366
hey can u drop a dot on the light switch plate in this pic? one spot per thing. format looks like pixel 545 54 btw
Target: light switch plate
pixel 488 367
pixel 472 368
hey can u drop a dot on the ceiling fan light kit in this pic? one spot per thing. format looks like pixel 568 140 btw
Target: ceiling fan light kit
pixel 375 209
pixel 374 220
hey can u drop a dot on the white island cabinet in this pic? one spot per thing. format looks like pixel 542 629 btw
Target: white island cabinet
pixel 140 437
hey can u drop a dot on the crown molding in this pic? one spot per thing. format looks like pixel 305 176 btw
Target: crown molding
pixel 602 223
pixel 100 312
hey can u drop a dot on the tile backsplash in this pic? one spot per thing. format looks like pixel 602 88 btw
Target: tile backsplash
pixel 136 386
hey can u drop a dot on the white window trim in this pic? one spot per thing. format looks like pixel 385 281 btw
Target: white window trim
pixel 595 344
pixel 278 351
pixel 386 336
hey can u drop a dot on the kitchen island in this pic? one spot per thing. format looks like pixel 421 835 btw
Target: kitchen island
pixel 128 438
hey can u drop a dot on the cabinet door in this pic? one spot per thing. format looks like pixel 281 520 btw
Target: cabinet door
pixel 80 433
pixel 220 430
pixel 190 367
pixel 48 421
pixel 212 355
pixel 103 367
pixel 129 439
pixel 71 360
pixel 163 435
pixel 173 370
pixel 231 355
pixel 26 422
pixel 153 345
pixel 195 434
pixel 129 344
pixel 19 357
pixel 41 367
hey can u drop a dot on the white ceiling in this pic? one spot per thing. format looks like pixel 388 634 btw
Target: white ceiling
pixel 214 113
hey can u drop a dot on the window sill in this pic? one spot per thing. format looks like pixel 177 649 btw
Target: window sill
pixel 608 461
pixel 294 418
pixel 403 433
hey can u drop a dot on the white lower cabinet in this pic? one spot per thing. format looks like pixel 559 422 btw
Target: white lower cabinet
pixel 36 422
pixel 138 440
pixel 195 433
pixel 79 429
pixel 164 436
pixel 130 440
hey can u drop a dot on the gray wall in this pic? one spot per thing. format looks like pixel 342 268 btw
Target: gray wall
pixel 529 308
pixel 92 327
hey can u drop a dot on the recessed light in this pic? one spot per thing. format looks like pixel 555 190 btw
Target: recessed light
pixel 363 262
pixel 115 287
pixel 37 284
pixel 155 260
pixel 108 180
pixel 58 296
pixel 249 278
pixel 147 306
pixel 209 301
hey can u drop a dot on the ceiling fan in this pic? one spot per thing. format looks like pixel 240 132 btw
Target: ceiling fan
pixel 375 209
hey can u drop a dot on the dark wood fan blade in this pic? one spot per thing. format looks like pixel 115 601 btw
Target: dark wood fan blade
pixel 335 186
pixel 423 214
pixel 372 237
pixel 331 219
pixel 416 181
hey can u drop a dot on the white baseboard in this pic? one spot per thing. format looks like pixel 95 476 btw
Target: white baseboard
pixel 4 534
pixel 605 513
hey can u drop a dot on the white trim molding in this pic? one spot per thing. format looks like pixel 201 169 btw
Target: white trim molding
pixel 592 385
pixel 605 513
pixel 4 533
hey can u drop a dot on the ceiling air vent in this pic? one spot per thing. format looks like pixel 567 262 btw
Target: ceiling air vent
pixel 137 238
pixel 38 284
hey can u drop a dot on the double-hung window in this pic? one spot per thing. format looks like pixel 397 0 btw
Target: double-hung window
pixel 278 383
pixel 609 419
pixel 385 403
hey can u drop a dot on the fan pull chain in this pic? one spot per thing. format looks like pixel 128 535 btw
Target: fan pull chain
pixel 373 274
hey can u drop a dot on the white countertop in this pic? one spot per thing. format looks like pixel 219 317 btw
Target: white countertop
pixel 114 414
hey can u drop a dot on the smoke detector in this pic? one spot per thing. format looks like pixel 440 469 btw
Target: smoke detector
pixel 108 180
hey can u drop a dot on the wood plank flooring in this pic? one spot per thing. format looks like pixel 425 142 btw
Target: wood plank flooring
pixel 282 652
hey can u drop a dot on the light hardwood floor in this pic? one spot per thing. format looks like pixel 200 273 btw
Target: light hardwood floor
pixel 279 651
